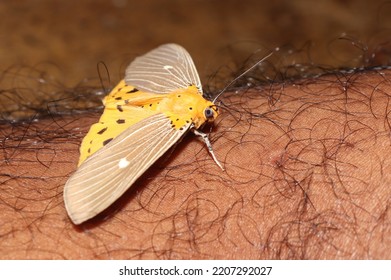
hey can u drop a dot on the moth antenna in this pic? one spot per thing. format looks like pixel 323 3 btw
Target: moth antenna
pixel 241 75
pixel 98 68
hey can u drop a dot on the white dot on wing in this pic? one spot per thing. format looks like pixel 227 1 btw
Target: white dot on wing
pixel 123 163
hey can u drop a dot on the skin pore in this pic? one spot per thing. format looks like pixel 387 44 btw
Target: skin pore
pixel 307 177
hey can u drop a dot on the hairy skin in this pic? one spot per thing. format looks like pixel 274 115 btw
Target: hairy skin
pixel 307 177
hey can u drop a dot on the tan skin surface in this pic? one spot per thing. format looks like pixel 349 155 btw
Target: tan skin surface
pixel 307 176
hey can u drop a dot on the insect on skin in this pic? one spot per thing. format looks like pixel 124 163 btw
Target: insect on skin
pixel 159 100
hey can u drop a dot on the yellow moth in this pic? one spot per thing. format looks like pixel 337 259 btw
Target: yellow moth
pixel 159 100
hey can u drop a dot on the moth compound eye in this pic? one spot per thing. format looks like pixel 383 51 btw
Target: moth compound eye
pixel 208 113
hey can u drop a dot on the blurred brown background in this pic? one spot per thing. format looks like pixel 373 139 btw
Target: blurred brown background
pixel 67 39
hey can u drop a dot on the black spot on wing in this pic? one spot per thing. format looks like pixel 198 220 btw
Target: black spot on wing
pixel 119 108
pixel 107 141
pixel 132 91
pixel 102 131
pixel 120 121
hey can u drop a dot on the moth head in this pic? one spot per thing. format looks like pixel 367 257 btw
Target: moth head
pixel 211 112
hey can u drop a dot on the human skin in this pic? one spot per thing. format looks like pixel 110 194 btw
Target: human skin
pixel 307 177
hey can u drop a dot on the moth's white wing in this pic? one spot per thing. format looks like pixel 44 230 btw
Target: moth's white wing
pixel 163 70
pixel 109 172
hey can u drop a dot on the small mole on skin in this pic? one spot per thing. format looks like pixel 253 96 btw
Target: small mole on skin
pixel 279 159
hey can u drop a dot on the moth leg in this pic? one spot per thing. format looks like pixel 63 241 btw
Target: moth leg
pixel 205 138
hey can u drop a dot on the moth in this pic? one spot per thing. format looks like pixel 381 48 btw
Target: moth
pixel 157 103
